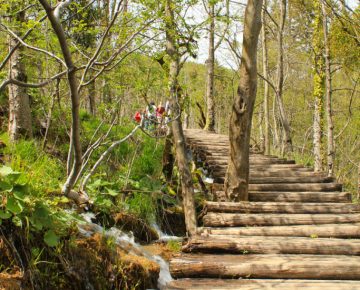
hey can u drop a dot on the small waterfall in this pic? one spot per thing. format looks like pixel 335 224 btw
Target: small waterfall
pixel 126 241
pixel 164 237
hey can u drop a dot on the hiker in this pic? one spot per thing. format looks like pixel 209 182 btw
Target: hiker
pixel 150 115
pixel 160 113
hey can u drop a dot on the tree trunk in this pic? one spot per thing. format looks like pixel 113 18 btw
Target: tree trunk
pixel 210 64
pixel 168 159
pixel 177 131
pixel 20 123
pixel 91 101
pixel 237 176
pixel 287 142
pixel 266 85
pixel 329 121
pixel 54 16
pixel 318 64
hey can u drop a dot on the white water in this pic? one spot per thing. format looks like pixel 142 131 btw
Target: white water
pixel 164 237
pixel 127 242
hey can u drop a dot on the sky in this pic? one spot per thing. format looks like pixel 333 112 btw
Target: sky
pixel 223 54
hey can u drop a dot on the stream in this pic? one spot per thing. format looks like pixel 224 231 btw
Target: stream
pixel 127 241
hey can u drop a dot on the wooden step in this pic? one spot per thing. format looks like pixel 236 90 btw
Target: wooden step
pixel 296 187
pixel 272 245
pixel 274 173
pixel 253 161
pixel 215 164
pixel 321 231
pixel 306 196
pixel 288 179
pixel 267 266
pixel 281 207
pixel 262 284
pixel 213 219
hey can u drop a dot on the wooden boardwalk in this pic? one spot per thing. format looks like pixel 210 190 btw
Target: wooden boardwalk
pixel 299 230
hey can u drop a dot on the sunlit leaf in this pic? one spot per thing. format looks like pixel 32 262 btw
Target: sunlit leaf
pixel 51 239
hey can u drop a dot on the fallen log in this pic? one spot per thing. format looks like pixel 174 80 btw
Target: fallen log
pixel 267 266
pixel 232 219
pixel 272 245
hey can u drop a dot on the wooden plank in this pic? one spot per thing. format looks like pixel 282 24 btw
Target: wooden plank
pixel 267 266
pixel 287 179
pixel 232 219
pixel 265 284
pixel 306 196
pixel 221 170
pixel 325 231
pixel 272 245
pixel 296 187
pixel 280 207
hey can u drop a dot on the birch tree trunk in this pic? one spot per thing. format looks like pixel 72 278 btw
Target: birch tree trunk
pixel 266 85
pixel 210 66
pixel 287 142
pixel 177 131
pixel 328 97
pixel 318 63
pixel 20 123
pixel 237 175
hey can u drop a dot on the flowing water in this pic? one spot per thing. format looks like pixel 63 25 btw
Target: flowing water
pixel 126 241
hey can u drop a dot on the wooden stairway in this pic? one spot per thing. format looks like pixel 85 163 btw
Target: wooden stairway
pixel 298 230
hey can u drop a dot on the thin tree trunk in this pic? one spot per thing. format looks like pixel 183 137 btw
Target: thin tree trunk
pixel 287 146
pixel 54 15
pixel 237 175
pixel 275 120
pixel 266 85
pixel 91 103
pixel 20 123
pixel 210 64
pixel 261 130
pixel 329 121
pixel 318 63
pixel 179 139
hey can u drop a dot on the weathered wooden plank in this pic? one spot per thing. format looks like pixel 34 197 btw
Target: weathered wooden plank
pixel 286 179
pixel 267 266
pixel 325 231
pixel 265 284
pixel 281 207
pixel 232 219
pixel 306 196
pixel 221 170
pixel 272 245
pixel 296 187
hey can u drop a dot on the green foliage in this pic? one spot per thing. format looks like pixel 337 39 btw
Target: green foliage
pixel 25 208
pixel 42 172
pixel 143 205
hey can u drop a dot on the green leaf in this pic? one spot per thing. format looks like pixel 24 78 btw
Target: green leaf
pixel 19 195
pixel 5 186
pixel 112 192
pixel 17 221
pixel 41 217
pixel 14 205
pixel 51 239
pixel 5 214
